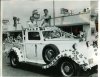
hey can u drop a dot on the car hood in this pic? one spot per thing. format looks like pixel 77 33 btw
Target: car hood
pixel 62 39
pixel 67 44
pixel 88 52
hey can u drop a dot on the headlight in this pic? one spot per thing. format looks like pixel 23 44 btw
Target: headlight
pixel 74 46
pixel 90 61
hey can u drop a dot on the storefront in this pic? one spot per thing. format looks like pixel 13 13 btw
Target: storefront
pixel 74 23
pixel 73 29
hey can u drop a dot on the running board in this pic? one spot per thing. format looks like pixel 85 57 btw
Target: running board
pixel 35 64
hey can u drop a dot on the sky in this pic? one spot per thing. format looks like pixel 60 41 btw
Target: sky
pixel 23 8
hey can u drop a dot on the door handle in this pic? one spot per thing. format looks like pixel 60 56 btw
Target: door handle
pixel 36 50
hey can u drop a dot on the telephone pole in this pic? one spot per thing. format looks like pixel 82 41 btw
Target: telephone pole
pixel 54 12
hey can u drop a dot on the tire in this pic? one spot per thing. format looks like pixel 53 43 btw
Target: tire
pixel 68 68
pixel 14 60
pixel 49 53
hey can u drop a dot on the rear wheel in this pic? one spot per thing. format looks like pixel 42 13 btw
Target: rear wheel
pixel 14 60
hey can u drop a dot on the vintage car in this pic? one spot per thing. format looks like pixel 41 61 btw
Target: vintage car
pixel 50 47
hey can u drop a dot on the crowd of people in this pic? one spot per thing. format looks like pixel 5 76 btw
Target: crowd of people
pixel 13 38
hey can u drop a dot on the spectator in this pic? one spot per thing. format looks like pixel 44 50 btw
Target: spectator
pixel 19 37
pixel 81 35
pixel 95 41
pixel 15 22
pixel 84 35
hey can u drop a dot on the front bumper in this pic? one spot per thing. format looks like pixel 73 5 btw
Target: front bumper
pixel 93 69
pixel 88 67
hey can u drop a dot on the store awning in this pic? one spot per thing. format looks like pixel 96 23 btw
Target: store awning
pixel 75 24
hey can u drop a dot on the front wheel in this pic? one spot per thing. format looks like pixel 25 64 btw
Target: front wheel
pixel 14 60
pixel 68 69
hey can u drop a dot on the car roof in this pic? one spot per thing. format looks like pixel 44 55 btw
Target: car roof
pixel 42 29
pixel 37 29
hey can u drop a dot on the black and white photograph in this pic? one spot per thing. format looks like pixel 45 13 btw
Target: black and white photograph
pixel 49 38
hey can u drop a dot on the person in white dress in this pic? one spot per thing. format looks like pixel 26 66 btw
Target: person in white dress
pixel 32 23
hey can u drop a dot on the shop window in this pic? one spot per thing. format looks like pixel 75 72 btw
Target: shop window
pixel 76 29
pixel 72 29
pixel 16 36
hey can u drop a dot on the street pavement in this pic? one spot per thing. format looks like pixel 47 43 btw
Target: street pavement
pixel 26 70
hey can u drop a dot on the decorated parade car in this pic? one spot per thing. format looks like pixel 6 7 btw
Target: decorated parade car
pixel 50 47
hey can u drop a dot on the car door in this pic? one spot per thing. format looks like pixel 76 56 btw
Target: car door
pixel 31 46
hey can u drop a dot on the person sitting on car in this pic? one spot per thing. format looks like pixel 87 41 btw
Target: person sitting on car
pixel 32 23
pixel 46 18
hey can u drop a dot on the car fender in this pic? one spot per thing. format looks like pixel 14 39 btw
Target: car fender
pixel 72 54
pixel 18 53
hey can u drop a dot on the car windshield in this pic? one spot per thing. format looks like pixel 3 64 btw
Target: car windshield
pixel 56 34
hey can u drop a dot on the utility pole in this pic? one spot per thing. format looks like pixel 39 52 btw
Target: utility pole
pixel 53 12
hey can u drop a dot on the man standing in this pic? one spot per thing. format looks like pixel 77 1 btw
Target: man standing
pixel 15 22
pixel 46 18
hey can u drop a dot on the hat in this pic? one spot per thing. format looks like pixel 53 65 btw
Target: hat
pixel 34 11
